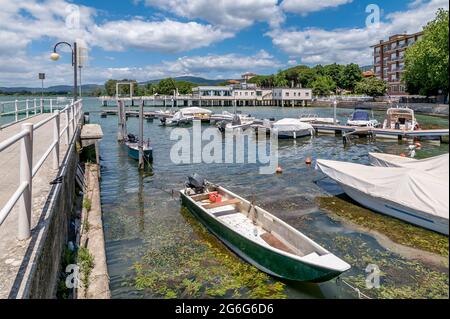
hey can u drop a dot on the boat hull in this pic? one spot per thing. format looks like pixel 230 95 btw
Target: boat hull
pixel 294 134
pixel 134 153
pixel 398 211
pixel 266 260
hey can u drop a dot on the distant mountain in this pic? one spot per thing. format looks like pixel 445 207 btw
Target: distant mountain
pixel 51 89
pixel 192 79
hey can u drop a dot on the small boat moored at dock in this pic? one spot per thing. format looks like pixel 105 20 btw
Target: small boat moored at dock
pixel 361 117
pixel 412 195
pixel 257 236
pixel 132 144
pixel 315 119
pixel 400 118
pixel 292 128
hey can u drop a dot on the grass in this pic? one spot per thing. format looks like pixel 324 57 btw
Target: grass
pixel 199 266
pixel 398 231
pixel 86 263
pixel 87 204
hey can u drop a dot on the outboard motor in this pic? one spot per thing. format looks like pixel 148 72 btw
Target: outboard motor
pixel 163 120
pixel 236 120
pixel 132 138
pixel 196 183
pixel 221 126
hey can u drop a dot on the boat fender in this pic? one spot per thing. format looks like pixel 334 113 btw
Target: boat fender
pixel 308 161
pixel 418 145
pixel 279 170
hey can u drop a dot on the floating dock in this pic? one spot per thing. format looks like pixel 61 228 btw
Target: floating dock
pixel 380 132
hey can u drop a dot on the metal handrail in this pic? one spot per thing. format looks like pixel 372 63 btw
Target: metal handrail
pixel 27 170
pixel 29 111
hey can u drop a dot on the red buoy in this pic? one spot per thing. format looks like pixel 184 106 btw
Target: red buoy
pixel 403 155
pixel 308 161
pixel 418 145
pixel 279 170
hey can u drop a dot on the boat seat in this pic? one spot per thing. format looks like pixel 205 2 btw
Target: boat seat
pixel 225 212
pixel 275 242
pixel 232 201
pixel 200 197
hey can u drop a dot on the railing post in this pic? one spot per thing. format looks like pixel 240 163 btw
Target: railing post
pixel 16 107
pixel 56 141
pixel 26 166
pixel 35 106
pixel 67 126
pixel 26 108
pixel 42 105
pixel 51 105
pixel 72 109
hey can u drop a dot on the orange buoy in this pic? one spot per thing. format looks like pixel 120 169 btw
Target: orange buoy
pixel 403 155
pixel 308 161
pixel 279 170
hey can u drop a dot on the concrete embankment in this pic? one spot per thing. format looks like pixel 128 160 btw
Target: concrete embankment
pixel 95 281
pixel 420 108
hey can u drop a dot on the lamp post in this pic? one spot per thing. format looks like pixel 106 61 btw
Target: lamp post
pixel 55 56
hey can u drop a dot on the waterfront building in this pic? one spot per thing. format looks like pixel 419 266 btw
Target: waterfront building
pixel 388 60
pixel 291 96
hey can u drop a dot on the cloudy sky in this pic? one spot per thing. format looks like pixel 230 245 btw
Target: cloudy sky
pixel 149 39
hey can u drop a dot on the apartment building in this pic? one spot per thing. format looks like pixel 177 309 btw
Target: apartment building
pixel 388 60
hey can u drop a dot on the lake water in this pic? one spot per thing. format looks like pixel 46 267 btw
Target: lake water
pixel 155 249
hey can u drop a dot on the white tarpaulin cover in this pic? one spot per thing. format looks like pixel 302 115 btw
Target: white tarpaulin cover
pixel 194 110
pixel 409 187
pixel 438 165
pixel 289 124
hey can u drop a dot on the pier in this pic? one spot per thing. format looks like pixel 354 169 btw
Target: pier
pixel 380 132
pixel 39 160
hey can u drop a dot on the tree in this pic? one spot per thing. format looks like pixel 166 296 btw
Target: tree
pixel 306 76
pixel 352 74
pixel 323 85
pixel 426 62
pixel 279 80
pixel 185 87
pixel 336 72
pixel 110 87
pixel 371 87
pixel 166 86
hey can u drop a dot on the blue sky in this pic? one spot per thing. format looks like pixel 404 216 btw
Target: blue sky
pixel 148 39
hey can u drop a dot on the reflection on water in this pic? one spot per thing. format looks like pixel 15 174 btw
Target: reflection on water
pixel 154 251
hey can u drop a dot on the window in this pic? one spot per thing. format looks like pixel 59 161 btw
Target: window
pixel 295 93
pixel 246 93
pixel 287 93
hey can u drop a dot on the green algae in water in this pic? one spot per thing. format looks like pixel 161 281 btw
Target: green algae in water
pixel 398 231
pixel 200 266
pixel 400 278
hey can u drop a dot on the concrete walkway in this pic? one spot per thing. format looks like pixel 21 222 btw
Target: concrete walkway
pixel 12 251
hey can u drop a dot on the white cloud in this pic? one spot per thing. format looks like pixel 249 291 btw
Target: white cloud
pixel 319 46
pixel 232 15
pixel 304 7
pixel 162 36
pixel 21 71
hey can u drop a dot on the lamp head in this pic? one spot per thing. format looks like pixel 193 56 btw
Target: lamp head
pixel 54 56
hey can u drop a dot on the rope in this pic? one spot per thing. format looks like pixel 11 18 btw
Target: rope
pixel 357 290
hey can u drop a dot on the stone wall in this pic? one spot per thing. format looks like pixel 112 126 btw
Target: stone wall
pixel 41 281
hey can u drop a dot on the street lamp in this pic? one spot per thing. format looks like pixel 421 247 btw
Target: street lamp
pixel 55 57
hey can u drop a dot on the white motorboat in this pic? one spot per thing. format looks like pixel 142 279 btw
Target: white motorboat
pixel 177 119
pixel 315 119
pixel 400 118
pixel 412 195
pixel 361 118
pixel 292 128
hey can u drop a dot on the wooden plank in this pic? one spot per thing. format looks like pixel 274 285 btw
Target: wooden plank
pixel 232 201
pixel 276 243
